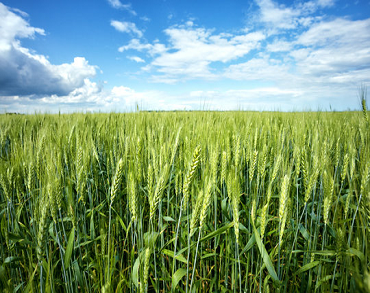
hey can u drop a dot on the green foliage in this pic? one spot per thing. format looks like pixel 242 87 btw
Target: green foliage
pixel 147 202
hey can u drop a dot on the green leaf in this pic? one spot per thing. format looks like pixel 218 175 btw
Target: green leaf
pixel 168 219
pixel 29 285
pixel 208 255
pixel 2 273
pixel 177 276
pixel 135 269
pixel 224 210
pixel 11 259
pixel 249 245
pixel 92 225
pixel 324 252
pixel 18 287
pixel 243 228
pixel 217 232
pixel 88 242
pixel 303 231
pixel 325 279
pixel 120 220
pixel 15 237
pixel 186 248
pixel 307 267
pixel 78 273
pixel 356 252
pixel 150 238
pixel 265 256
pixel 208 236
pixel 70 244
pixel 179 257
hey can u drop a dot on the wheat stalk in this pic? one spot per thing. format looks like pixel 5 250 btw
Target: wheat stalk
pixel 157 195
pixel 143 287
pixel 132 196
pixel 116 181
pixel 190 175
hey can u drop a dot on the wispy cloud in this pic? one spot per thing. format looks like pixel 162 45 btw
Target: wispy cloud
pixel 136 59
pixel 262 69
pixel 279 17
pixel 330 52
pixel 152 49
pixel 326 3
pixel 279 46
pixel 145 18
pixel 126 27
pixel 191 51
pixel 118 5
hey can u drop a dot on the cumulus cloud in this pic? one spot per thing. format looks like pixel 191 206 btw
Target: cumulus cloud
pixel 293 59
pixel 126 27
pixel 93 97
pixel 23 72
pixel 13 26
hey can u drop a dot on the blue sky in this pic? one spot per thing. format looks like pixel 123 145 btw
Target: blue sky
pixel 108 55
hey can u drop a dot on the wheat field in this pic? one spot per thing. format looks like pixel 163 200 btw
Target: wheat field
pixel 185 202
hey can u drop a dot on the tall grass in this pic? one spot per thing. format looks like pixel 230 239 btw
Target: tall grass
pixel 185 202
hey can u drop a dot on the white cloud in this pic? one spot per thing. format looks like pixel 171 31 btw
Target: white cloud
pixel 13 26
pixel 145 18
pixel 280 17
pixel 321 63
pixel 279 46
pixel 258 69
pixel 85 98
pixel 314 66
pixel 277 98
pixel 23 72
pixel 194 50
pixel 152 49
pixel 330 51
pixel 118 5
pixel 262 98
pixel 326 3
pixel 92 97
pixel 136 59
pixel 18 11
pixel 126 27
pixel 337 32
pixel 276 15
pixel 191 51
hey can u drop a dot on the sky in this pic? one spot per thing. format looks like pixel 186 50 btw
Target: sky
pixel 111 55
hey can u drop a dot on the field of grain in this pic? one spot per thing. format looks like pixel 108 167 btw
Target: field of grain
pixel 185 202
